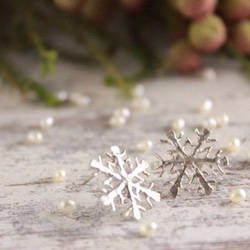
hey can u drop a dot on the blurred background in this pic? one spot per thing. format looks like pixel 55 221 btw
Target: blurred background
pixel 130 40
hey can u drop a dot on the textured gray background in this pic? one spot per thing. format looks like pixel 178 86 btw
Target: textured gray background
pixel 28 212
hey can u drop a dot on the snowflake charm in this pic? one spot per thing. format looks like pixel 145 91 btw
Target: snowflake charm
pixel 124 181
pixel 190 160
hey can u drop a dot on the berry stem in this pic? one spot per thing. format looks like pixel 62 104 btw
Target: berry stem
pixel 23 83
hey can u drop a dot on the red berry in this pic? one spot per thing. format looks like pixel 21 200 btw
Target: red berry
pixel 97 12
pixel 234 10
pixel 133 5
pixel 69 5
pixel 240 36
pixel 207 34
pixel 183 57
pixel 195 9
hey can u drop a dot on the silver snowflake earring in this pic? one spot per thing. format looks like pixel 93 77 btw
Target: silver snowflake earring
pixel 191 163
pixel 123 181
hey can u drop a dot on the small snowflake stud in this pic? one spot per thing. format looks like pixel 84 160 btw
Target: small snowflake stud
pixel 124 181
pixel 192 161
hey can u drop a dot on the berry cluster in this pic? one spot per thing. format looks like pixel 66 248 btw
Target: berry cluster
pixel 206 25
pixel 187 29
pixel 211 24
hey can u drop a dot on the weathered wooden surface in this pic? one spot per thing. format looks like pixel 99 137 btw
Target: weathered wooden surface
pixel 28 212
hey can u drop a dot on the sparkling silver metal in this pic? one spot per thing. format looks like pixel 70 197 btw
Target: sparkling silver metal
pixel 189 160
pixel 124 181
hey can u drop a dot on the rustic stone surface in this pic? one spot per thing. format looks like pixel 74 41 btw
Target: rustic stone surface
pixel 28 199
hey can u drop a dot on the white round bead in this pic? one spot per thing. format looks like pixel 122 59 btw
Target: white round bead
pixel 178 125
pixel 140 103
pixel 67 206
pixel 138 90
pixel 238 196
pixel 206 105
pixel 144 145
pixel 62 96
pixel 117 121
pixel 122 112
pixel 79 99
pixel 147 228
pixel 208 74
pixel 47 122
pixel 233 144
pixel 222 120
pixel 210 123
pixel 59 175
pixel 105 201
pixel 35 137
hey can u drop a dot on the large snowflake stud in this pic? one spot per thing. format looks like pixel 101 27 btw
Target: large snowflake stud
pixel 192 161
pixel 124 181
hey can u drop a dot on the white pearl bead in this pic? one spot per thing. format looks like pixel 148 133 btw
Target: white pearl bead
pixel 208 74
pixel 59 175
pixel 138 90
pixel 147 228
pixel 62 96
pixel 206 105
pixel 47 122
pixel 117 121
pixel 35 137
pixel 144 145
pixel 140 103
pixel 210 123
pixel 122 112
pixel 79 99
pixel 233 144
pixel 238 195
pixel 67 206
pixel 178 125
pixel 222 120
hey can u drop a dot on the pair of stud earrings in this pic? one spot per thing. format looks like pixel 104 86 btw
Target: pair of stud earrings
pixel 188 161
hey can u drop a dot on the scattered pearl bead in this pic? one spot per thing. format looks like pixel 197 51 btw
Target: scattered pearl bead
pixel 105 201
pixel 59 175
pixel 147 229
pixel 208 74
pixel 67 206
pixel 62 96
pixel 125 112
pixel 222 120
pixel 47 122
pixel 238 196
pixel 35 137
pixel 206 105
pixel 117 121
pixel 144 145
pixel 233 144
pixel 210 123
pixel 178 125
pixel 140 103
pixel 79 99
pixel 138 90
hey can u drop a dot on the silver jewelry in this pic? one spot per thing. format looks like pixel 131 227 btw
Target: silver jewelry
pixel 124 181
pixel 191 163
